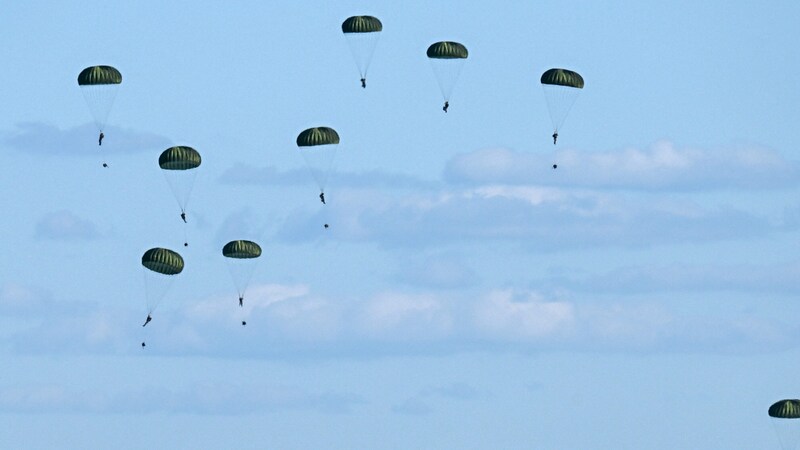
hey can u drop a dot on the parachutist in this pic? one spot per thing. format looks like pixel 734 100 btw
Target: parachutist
pixel 322 197
pixel 100 139
pixel 555 137
pixel 446 105
pixel 183 216
pixel 147 320
pixel 364 83
pixel 241 301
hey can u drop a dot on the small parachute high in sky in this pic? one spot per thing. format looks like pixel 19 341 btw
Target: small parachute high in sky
pixel 447 59
pixel 178 164
pixel 362 33
pixel 318 146
pixel 239 256
pixel 160 266
pixel 561 89
pixel 785 415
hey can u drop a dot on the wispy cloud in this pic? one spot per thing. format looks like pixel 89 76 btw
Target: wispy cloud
pixel 423 402
pixel 291 322
pixel 748 278
pixel 660 167
pixel 413 406
pixel 65 225
pixel 241 174
pixel 541 218
pixel 46 139
pixel 441 271
pixel 207 399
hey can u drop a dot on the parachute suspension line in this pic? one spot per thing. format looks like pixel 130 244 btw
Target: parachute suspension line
pixel 147 294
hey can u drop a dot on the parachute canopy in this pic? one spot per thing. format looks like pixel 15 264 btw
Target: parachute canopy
pixel 563 77
pixel 785 409
pixel 561 89
pixel 361 24
pixel 362 33
pixel 447 50
pixel 163 261
pixel 447 58
pixel 318 147
pixel 179 158
pixel 317 136
pixel 99 75
pixel 241 249
pixel 99 85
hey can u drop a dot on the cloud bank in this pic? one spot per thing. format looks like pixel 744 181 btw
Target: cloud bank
pixel 660 167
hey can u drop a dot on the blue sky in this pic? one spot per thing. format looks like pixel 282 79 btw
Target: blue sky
pixel 466 295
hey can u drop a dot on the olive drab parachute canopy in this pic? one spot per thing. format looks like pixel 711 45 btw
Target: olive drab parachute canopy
pixel 785 415
pixel 160 266
pixel 178 164
pixel 447 58
pixel 239 257
pixel 318 146
pixel 99 85
pixel 241 250
pixel 561 89
pixel 362 34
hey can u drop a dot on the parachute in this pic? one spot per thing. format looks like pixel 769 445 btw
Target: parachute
pixel 362 34
pixel 318 146
pixel 239 255
pixel 785 414
pixel 99 85
pixel 447 58
pixel 561 89
pixel 160 266
pixel 178 164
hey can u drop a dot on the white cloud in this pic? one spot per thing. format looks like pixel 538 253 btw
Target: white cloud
pixel 660 167
pixel 780 278
pixel 407 317
pixel 295 322
pixel 505 314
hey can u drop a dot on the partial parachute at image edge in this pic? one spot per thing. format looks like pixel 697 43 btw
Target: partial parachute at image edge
pixel 785 409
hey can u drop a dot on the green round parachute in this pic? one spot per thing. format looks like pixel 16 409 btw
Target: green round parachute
pixel 317 136
pixel 785 409
pixel 163 261
pixel 361 24
pixel 563 77
pixel 179 158
pixel 99 75
pixel 447 50
pixel 241 249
